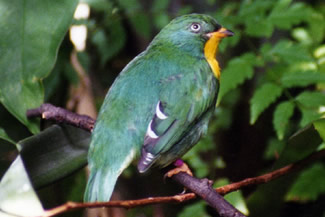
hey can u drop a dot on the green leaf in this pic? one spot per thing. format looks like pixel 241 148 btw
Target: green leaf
pixel 311 99
pixel 290 52
pixel 109 45
pixel 161 20
pixel 99 5
pixel 194 210
pixel 253 16
pixel 316 21
pixel 282 114
pixel 263 97
pixel 158 6
pixel 17 197
pixel 300 145
pixel 31 32
pixel 54 153
pixel 302 79
pixel 237 71
pixel 141 23
pixel 284 15
pixel 274 148
pixel 4 136
pixel 320 127
pixel 235 198
pixel 309 185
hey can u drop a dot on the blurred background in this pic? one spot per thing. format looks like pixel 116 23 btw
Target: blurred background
pixel 272 85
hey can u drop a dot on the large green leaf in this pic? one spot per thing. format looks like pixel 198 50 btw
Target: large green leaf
pixel 54 153
pixel 262 99
pixel 31 32
pixel 17 197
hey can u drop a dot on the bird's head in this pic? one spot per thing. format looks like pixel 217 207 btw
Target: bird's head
pixel 192 33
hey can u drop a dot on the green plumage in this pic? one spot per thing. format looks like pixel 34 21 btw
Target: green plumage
pixel 171 75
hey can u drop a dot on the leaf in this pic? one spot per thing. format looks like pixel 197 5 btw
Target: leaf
pixel 54 153
pixel 290 52
pixel 237 71
pixel 109 45
pixel 320 127
pixel 274 148
pixel 299 146
pixel 262 99
pixel 4 136
pixel 17 197
pixel 253 16
pixel 316 21
pixel 161 20
pixel 308 115
pixel 235 198
pixel 194 210
pixel 284 15
pixel 309 185
pixel 282 114
pixel 311 99
pixel 141 24
pixel 302 79
pixel 159 6
pixel 31 32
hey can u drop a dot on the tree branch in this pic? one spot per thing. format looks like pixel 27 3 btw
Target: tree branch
pixel 60 115
pixel 201 187
pixel 69 206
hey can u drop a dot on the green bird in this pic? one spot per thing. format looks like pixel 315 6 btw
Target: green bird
pixel 159 105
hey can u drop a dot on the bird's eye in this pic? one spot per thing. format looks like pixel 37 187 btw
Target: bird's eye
pixel 195 27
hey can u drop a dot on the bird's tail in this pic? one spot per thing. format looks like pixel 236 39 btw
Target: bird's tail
pixel 100 185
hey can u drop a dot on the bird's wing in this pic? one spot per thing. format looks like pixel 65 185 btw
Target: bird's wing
pixel 176 112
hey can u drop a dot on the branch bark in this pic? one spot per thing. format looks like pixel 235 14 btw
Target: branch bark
pixel 200 187
pixel 50 112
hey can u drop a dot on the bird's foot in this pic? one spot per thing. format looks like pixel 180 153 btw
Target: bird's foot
pixel 180 166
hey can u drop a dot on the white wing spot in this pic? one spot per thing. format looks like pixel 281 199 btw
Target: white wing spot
pixel 149 157
pixel 150 132
pixel 159 113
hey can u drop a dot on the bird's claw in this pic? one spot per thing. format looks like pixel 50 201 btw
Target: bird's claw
pixel 180 167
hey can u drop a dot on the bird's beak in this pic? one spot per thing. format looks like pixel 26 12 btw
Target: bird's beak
pixel 221 33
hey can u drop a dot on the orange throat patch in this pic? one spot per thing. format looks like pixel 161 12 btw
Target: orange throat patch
pixel 210 51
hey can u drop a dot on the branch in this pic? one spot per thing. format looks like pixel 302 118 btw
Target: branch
pixel 60 115
pixel 189 196
pixel 201 187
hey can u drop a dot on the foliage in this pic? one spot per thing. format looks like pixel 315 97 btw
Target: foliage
pixel 270 108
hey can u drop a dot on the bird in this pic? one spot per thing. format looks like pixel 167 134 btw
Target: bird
pixel 159 105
